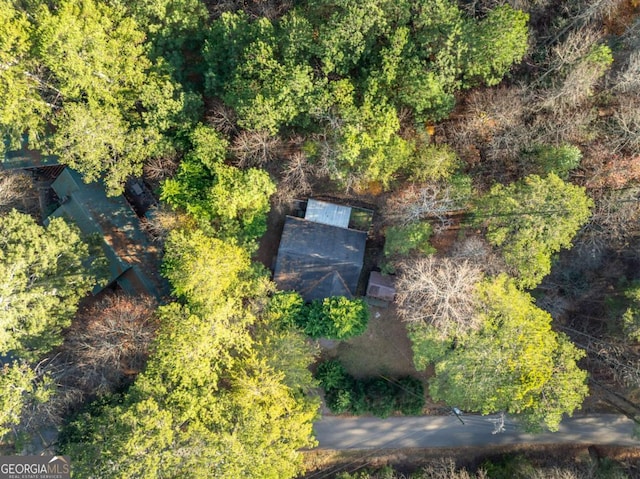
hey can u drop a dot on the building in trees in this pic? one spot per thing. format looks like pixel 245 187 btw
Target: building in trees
pixel 114 225
pixel 320 255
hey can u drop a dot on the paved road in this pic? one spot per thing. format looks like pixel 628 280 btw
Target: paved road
pixel 447 431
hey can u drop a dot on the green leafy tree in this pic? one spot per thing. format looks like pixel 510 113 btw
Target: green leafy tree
pixel 254 69
pixel 351 66
pixel 333 375
pixel 515 363
pixel 90 139
pixel 44 272
pixel 495 44
pixel 427 344
pixel 213 400
pixel 97 67
pixel 19 386
pixel 347 32
pixel 284 308
pixel 363 144
pixel 282 345
pixel 22 109
pixel 201 268
pixel 405 240
pixel 336 317
pixel 226 41
pixel 232 202
pixel 240 200
pixel 205 416
pixel 559 160
pixel 288 352
pixel 409 395
pixel 429 67
pixel 631 316
pixel 379 396
pixel 531 220
pixel 265 93
pixel 175 29
pixel 431 162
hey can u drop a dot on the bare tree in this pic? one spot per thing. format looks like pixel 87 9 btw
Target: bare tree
pixel 568 125
pixel 574 89
pixel 446 468
pixel 298 172
pixel 626 124
pixel 439 293
pixel 604 168
pixel 256 148
pixel 489 111
pixel 417 203
pixel 160 168
pixel 609 356
pixel 222 117
pixel 108 343
pixel 17 191
pixel 493 128
pixel 628 79
pixel 479 253
pixel 159 221
pixel 615 219
pixel 568 52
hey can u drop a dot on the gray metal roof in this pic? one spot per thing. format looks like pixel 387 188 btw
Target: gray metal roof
pixel 319 260
pixel 328 213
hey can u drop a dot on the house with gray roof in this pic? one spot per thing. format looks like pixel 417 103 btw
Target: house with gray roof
pixel 319 255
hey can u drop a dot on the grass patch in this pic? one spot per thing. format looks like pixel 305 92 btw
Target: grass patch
pixel 383 348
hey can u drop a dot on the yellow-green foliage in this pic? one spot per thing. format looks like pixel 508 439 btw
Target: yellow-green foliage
pixel 224 390
pixel 18 388
pixel 631 317
pixel 515 363
pixel 44 272
pixel 531 220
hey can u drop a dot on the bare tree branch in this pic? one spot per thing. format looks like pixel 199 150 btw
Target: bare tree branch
pixel 439 293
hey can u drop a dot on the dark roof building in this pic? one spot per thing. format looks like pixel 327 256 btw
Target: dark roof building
pixel 131 259
pixel 320 259
pixel 25 158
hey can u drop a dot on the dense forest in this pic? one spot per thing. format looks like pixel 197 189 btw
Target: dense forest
pixel 496 141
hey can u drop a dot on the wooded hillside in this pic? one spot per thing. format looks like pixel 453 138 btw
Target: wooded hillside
pixel 496 141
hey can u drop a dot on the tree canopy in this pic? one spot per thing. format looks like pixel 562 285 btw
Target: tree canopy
pixel 350 67
pixel 44 273
pixel 336 317
pixel 515 363
pixel 19 388
pixel 225 390
pixel 230 201
pixel 531 220
pixel 79 77
pixel 228 97
pixel 22 109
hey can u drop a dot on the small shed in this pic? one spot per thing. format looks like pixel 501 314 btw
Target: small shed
pixel 381 287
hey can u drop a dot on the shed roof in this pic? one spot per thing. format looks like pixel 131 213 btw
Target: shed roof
pixel 319 260
pixel 381 286
pixel 328 213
